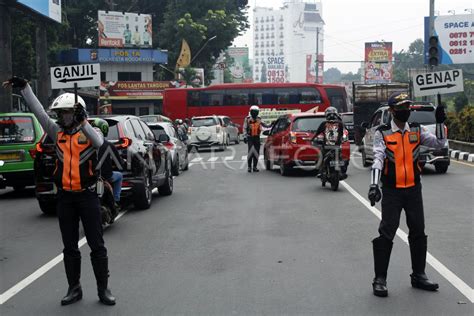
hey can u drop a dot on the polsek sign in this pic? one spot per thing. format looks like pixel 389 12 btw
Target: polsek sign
pixel 87 75
pixel 441 82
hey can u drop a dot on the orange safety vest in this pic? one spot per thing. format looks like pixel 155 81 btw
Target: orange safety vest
pixel 401 167
pixel 254 127
pixel 76 162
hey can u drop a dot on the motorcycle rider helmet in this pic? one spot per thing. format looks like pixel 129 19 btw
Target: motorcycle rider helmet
pixel 63 106
pixel 178 121
pixel 254 110
pixel 102 125
pixel 331 114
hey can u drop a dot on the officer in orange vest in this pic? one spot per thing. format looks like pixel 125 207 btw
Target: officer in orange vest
pixel 75 176
pixel 396 153
pixel 252 129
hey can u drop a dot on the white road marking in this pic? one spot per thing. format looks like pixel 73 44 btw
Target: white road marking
pixel 212 159
pixel 244 157
pixel 228 158
pixel 198 159
pixel 465 289
pixel 260 157
pixel 17 288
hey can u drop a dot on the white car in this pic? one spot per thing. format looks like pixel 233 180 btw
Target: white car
pixel 231 128
pixel 207 132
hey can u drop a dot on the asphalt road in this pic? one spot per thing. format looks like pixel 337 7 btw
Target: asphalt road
pixel 232 243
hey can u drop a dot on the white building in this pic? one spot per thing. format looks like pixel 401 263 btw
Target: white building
pixel 285 42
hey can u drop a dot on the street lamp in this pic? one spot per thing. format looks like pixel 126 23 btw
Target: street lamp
pixel 452 11
pixel 199 51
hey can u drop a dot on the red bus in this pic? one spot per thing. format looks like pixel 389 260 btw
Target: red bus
pixel 234 100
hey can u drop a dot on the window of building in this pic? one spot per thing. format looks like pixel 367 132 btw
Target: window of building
pixel 129 76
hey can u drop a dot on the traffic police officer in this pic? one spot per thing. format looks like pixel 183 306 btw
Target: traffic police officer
pixel 75 176
pixel 396 153
pixel 252 129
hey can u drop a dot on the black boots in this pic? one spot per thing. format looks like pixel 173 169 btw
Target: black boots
pixel 419 280
pixel 101 271
pixel 382 250
pixel 73 274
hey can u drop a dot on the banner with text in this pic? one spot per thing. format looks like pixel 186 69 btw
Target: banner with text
pixel 117 29
pixel 378 62
pixel 124 90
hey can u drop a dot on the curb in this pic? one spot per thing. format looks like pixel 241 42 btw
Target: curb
pixel 461 155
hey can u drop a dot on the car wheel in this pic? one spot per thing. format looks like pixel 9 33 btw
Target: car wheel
pixel 167 187
pixel 284 168
pixel 143 194
pixel 365 163
pixel 175 169
pixel 268 162
pixel 441 167
pixel 186 164
pixel 48 207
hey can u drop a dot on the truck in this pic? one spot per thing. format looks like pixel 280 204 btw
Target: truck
pixel 367 98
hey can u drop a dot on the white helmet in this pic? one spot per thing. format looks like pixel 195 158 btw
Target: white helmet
pixel 254 107
pixel 66 101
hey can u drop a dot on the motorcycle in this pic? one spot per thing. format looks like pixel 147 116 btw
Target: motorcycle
pixel 331 164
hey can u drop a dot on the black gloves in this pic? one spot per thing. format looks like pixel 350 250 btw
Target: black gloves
pixel 80 113
pixel 374 194
pixel 15 82
pixel 245 139
pixel 440 114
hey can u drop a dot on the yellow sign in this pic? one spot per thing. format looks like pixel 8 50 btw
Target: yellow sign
pixel 184 58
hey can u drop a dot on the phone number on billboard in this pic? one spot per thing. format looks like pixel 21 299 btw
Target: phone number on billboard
pixel 454 44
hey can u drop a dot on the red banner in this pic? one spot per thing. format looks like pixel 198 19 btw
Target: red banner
pixel 133 90
pixel 311 68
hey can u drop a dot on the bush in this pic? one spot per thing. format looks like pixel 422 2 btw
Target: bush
pixel 461 125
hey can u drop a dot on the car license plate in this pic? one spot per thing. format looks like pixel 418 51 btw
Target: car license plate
pixel 334 163
pixel 15 156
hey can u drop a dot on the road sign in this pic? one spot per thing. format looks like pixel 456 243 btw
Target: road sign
pixel 442 82
pixel 87 75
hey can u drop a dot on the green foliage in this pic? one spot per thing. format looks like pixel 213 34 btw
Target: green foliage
pixel 461 125
pixel 189 76
pixel 332 75
pixel 460 101
pixel 23 45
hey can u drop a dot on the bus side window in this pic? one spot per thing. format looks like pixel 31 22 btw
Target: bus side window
pixel 309 95
pixel 216 98
pixel 193 98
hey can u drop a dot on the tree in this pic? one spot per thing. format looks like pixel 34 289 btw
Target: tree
pixel 460 101
pixel 332 75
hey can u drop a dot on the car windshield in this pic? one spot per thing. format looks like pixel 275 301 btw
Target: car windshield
pixel 422 117
pixel 113 134
pixel 206 121
pixel 16 129
pixel 348 119
pixel 158 130
pixel 307 124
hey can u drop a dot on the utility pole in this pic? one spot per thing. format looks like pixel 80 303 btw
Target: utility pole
pixel 317 55
pixel 42 68
pixel 432 67
pixel 5 56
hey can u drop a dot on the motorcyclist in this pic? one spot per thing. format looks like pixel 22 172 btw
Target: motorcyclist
pixel 252 127
pixel 109 155
pixel 181 129
pixel 331 132
pixel 75 176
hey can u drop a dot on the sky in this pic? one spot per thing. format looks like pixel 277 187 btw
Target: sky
pixel 351 23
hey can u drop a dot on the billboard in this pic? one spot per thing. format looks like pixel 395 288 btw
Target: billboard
pixel 276 69
pixel 456 38
pixel 239 65
pixel 48 8
pixel 113 55
pixel 118 29
pixel 378 62
pixel 125 90
pixel 311 68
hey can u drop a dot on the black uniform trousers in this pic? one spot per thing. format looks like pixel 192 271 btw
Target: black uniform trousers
pixel 253 143
pixel 393 201
pixel 84 206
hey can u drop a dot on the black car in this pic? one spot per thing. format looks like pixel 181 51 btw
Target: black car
pixel 348 120
pixel 148 163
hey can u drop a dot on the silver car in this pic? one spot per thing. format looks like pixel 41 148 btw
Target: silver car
pixel 231 128
pixel 176 145
pixel 207 132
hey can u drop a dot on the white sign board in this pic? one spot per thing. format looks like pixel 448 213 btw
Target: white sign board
pixel 442 82
pixel 86 75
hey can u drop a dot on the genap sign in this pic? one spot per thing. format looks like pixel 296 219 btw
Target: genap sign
pixel 441 82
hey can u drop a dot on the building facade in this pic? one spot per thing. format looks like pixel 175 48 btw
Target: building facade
pixel 285 42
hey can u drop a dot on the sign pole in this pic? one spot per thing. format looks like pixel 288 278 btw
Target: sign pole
pixel 439 99
pixel 75 92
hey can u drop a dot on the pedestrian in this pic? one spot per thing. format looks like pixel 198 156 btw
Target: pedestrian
pixel 252 128
pixel 396 166
pixel 75 176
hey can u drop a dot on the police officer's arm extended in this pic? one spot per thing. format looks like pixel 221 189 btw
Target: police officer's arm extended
pixel 379 157
pixel 439 140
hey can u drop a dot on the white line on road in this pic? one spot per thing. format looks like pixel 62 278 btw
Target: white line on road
pixel 17 288
pixel 213 159
pixel 465 289
pixel 244 157
pixel 198 159
pixel 228 158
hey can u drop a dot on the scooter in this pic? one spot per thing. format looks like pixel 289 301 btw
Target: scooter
pixel 331 163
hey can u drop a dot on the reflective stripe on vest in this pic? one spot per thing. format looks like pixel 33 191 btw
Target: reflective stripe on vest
pixel 402 152
pixel 76 161
pixel 254 127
